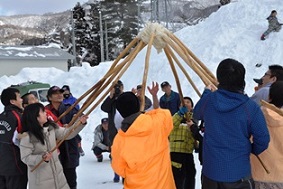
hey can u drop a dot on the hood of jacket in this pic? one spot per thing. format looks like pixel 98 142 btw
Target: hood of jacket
pixel 272 118
pixel 225 101
pixel 134 125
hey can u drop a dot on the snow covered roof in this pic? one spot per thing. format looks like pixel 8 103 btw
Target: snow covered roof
pixel 33 53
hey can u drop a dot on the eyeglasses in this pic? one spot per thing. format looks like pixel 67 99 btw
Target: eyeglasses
pixel 267 74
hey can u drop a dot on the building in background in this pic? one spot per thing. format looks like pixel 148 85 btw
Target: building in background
pixel 15 58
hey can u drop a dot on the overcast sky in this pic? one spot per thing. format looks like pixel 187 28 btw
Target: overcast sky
pixel 13 7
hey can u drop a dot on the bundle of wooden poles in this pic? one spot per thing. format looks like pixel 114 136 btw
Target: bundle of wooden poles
pixel 152 35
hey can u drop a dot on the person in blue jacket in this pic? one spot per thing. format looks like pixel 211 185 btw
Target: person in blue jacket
pixel 68 97
pixel 170 100
pixel 234 128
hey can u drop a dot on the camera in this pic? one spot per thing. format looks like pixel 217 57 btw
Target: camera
pixel 117 90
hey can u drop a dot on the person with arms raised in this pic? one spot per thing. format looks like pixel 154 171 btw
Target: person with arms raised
pixel 140 151
pixel 231 119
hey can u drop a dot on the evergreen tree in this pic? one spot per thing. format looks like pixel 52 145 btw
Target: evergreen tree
pixel 119 16
pixel 86 34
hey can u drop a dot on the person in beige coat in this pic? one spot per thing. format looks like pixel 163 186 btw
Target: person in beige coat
pixel 273 155
pixel 37 140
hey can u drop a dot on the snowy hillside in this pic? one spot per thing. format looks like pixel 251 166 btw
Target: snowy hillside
pixel 234 31
pixel 16 29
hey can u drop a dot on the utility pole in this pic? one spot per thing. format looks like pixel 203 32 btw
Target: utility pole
pixel 154 11
pixel 139 16
pixel 101 37
pixel 106 41
pixel 166 13
pixel 73 39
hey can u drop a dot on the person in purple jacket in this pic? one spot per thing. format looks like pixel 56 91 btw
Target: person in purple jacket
pixel 234 128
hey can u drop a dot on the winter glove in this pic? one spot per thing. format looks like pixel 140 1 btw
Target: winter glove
pixel 183 110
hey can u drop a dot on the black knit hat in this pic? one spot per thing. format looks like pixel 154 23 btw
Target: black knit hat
pixel 127 104
pixel 66 88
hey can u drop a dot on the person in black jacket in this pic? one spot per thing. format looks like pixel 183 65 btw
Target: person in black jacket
pixel 109 106
pixel 13 172
pixel 69 152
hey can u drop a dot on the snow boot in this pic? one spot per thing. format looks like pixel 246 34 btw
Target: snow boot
pixel 81 151
pixel 99 158
pixel 116 178
pixel 262 37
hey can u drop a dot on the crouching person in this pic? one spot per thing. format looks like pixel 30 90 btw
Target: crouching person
pixel 37 140
pixel 140 151
pixel 101 139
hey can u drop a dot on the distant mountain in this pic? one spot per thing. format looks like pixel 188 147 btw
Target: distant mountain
pixel 35 29
pixel 15 30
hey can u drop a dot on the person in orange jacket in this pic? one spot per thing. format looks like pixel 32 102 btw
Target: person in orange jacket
pixel 140 151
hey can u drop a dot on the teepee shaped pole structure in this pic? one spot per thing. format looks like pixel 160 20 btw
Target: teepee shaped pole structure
pixel 162 39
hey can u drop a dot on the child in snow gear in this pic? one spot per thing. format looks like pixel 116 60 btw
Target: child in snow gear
pixel 273 24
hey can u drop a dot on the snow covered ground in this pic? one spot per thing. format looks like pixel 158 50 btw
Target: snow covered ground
pixel 234 31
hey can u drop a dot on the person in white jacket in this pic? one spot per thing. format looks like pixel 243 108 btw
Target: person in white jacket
pixel 37 141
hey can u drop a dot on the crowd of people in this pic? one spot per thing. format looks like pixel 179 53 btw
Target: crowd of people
pixel 29 136
pixel 151 146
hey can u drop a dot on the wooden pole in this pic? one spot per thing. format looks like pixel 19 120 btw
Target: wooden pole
pixel 126 66
pixel 175 76
pixel 185 58
pixel 58 144
pixel 202 76
pixel 167 48
pixel 122 54
pixel 147 57
pixel 191 54
pixel 78 100
pixel 95 94
pixel 262 164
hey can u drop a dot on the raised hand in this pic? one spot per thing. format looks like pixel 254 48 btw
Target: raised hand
pixel 154 89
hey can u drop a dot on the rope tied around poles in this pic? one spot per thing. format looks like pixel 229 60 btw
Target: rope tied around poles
pixel 160 32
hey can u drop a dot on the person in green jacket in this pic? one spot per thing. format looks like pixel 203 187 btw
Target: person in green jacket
pixel 182 147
